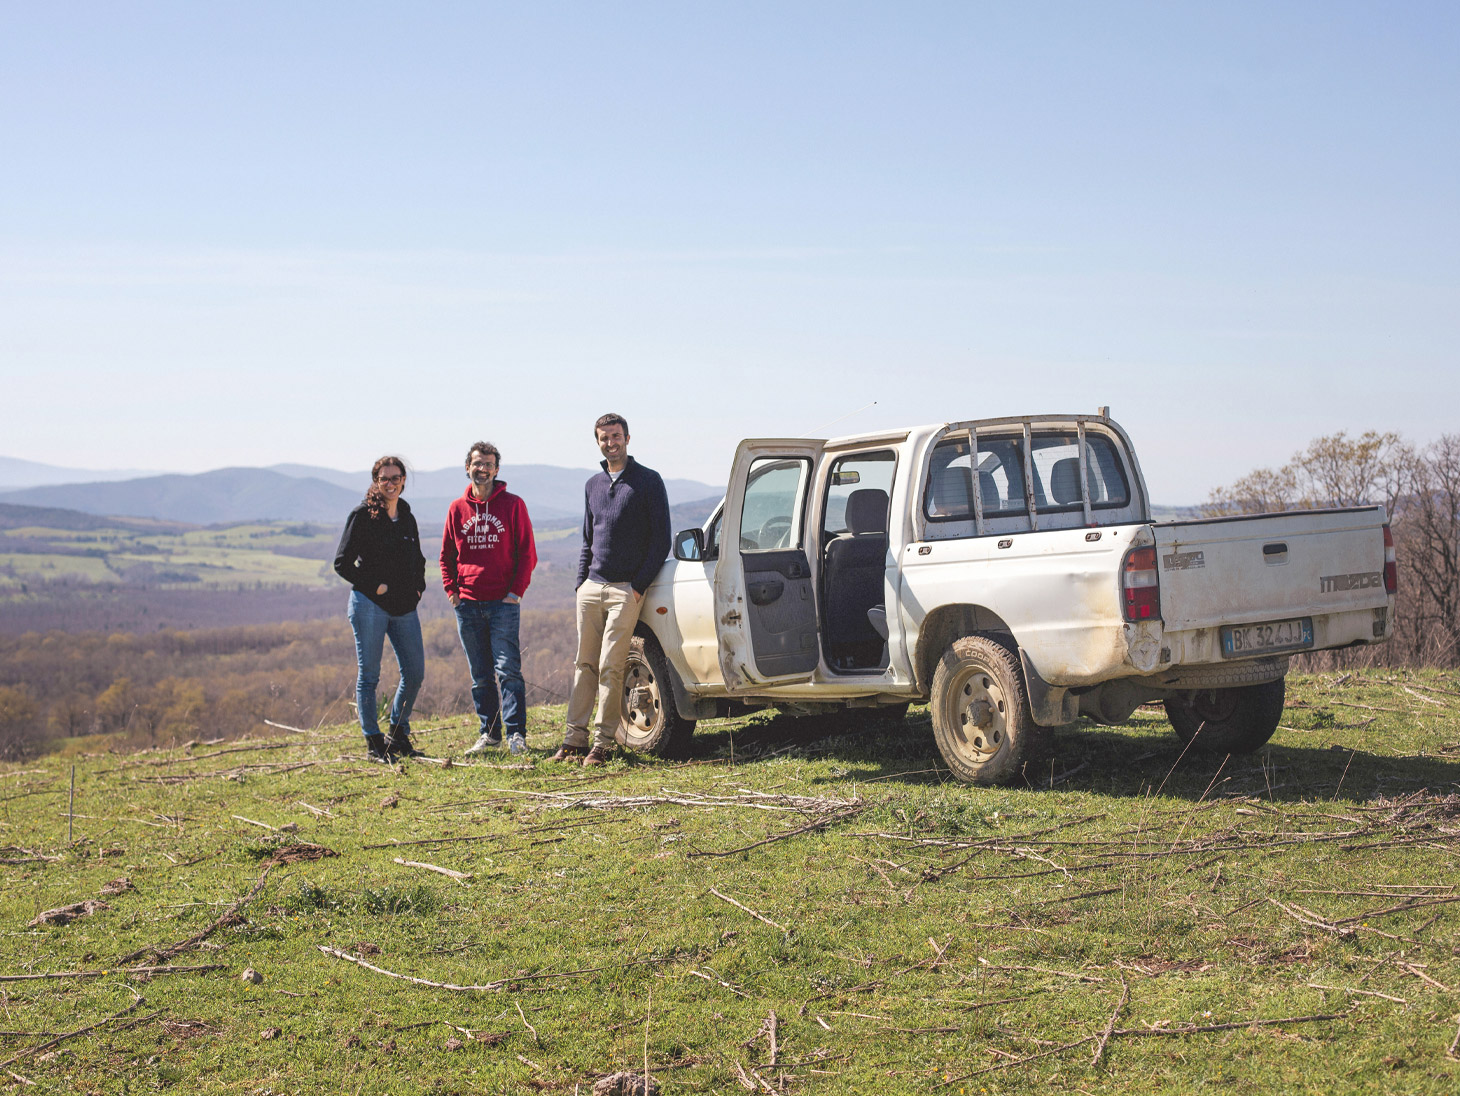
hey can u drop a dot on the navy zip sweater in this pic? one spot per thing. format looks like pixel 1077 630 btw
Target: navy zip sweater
pixel 625 527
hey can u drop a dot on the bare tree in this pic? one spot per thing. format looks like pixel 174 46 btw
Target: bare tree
pixel 1333 471
pixel 1427 527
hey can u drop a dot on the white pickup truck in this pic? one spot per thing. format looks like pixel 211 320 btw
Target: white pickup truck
pixel 1006 570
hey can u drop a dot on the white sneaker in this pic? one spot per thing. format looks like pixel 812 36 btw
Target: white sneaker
pixel 516 744
pixel 483 744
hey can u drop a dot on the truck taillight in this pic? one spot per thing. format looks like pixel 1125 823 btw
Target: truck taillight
pixel 1391 563
pixel 1140 590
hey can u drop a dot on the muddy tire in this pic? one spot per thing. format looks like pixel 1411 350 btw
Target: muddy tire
pixel 651 723
pixel 981 718
pixel 1227 721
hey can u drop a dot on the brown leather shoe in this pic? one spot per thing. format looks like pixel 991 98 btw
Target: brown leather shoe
pixel 570 753
pixel 598 756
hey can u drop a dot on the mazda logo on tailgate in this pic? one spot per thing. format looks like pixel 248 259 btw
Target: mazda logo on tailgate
pixel 1332 584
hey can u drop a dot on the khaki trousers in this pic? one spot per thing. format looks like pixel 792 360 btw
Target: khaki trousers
pixel 607 613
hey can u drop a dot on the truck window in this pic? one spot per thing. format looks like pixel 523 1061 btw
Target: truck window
pixel 856 472
pixel 1055 457
pixel 771 516
pixel 1000 479
pixel 1057 472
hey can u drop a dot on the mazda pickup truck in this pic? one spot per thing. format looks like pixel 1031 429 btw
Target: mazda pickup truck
pixel 1007 572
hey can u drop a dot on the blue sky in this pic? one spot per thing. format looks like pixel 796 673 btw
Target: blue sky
pixel 248 233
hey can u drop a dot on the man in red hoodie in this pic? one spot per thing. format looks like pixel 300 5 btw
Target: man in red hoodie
pixel 487 557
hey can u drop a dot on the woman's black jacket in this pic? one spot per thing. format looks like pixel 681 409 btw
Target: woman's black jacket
pixel 376 550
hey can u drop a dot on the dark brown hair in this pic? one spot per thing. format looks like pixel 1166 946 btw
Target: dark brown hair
pixel 375 497
pixel 610 420
pixel 486 449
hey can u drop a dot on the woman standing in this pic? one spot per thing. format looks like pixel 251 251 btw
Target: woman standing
pixel 380 556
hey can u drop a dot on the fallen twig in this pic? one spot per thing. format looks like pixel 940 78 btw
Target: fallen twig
pixel 1401 908
pixel 72 1034
pixel 840 816
pixel 1199 1029
pixel 286 727
pixel 1417 696
pixel 494 986
pixel 490 987
pixel 719 982
pixel 1297 914
pixel 459 876
pixel 197 938
pixel 529 1027
pixel 1124 1033
pixel 1364 992
pixel 747 909
pixel 1110 1023
pixel 150 972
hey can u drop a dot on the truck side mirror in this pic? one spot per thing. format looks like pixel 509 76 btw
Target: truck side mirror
pixel 689 545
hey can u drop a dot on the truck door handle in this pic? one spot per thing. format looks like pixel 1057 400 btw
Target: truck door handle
pixel 763 593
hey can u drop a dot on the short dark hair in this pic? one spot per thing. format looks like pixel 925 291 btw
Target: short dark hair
pixel 486 449
pixel 611 420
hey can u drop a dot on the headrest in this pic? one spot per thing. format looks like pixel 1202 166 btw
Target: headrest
pixel 867 511
pixel 1064 481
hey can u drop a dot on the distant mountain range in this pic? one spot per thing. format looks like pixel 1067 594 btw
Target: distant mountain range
pixel 16 473
pixel 294 492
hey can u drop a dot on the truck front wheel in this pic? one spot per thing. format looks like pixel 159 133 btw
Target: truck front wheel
pixel 980 710
pixel 651 723
pixel 1227 721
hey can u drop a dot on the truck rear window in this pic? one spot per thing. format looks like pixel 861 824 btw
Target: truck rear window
pixel 1055 459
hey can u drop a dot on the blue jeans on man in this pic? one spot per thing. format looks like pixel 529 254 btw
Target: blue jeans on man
pixel 489 636
pixel 371 624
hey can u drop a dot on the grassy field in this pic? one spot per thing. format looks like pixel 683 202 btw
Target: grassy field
pixel 272 553
pixel 804 907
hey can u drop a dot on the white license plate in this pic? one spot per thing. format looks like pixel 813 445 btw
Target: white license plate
pixel 1260 639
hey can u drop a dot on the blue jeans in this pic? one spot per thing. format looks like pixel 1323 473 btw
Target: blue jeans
pixel 371 625
pixel 488 631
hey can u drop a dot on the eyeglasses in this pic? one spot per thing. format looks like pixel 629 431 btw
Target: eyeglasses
pixel 389 479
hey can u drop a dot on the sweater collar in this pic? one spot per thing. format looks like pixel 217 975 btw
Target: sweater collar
pixel 628 463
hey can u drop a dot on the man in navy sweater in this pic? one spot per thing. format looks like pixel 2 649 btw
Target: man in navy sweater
pixel 625 542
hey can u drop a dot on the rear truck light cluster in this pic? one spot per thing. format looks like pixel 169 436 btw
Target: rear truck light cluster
pixel 1391 564
pixel 1139 588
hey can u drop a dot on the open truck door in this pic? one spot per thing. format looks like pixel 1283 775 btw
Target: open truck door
pixel 765 601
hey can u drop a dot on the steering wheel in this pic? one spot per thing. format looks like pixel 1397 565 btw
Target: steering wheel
pixel 775 533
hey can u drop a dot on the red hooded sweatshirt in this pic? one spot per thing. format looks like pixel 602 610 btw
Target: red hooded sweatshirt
pixel 487 551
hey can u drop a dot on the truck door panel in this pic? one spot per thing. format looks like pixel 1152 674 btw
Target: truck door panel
pixel 765 606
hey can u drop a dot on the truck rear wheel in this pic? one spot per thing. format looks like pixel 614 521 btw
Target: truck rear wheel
pixel 651 723
pixel 980 710
pixel 1227 721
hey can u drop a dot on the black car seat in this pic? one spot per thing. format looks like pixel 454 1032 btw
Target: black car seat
pixel 856 563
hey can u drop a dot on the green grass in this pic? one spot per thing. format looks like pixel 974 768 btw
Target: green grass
pixel 922 930
pixel 224 556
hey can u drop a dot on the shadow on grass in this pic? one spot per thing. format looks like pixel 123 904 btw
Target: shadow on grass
pixel 1133 760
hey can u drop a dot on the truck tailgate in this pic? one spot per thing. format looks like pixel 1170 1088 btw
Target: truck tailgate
pixel 1268 567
